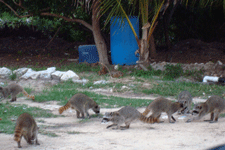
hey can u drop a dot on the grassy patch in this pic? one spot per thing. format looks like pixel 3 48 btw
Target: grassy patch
pixel 63 92
pixel 48 133
pixel 84 120
pixel 73 132
pixel 13 76
pixel 174 88
pixel 78 68
pixel 9 114
pixel 145 74
pixel 222 115
pixel 172 71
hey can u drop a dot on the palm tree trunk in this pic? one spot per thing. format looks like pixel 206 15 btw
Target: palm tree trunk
pixel 98 38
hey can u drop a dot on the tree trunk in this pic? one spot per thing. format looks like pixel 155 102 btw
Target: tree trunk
pixel 152 48
pixel 144 51
pixel 98 38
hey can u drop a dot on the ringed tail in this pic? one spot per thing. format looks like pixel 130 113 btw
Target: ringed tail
pixel 27 95
pixel 145 113
pixel 17 134
pixel 148 119
pixel 61 109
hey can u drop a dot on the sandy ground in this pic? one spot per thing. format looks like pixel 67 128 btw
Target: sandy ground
pixel 74 133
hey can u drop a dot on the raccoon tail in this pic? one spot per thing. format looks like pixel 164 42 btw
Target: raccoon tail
pixel 17 134
pixel 145 113
pixel 27 95
pixel 61 109
pixel 148 119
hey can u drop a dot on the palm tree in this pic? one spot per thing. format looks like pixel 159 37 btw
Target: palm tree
pixel 150 9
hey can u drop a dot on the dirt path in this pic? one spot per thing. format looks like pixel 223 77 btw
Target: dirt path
pixel 76 134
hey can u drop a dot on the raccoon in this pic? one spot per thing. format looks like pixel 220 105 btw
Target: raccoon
pixel 186 99
pixel 125 115
pixel 82 103
pixel 160 105
pixel 26 127
pixel 214 105
pixel 14 89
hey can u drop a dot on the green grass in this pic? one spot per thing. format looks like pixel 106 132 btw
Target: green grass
pixel 78 68
pixel 174 88
pixel 65 92
pixel 73 132
pixel 48 133
pixel 9 114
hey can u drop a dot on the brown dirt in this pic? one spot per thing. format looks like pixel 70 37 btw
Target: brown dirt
pixel 76 134
pixel 23 52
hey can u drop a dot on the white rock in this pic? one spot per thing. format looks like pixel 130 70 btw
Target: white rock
pixel 57 74
pixel 21 71
pixel 116 67
pixel 69 75
pixel 124 87
pixel 46 74
pixel 219 62
pixel 30 74
pixel 4 72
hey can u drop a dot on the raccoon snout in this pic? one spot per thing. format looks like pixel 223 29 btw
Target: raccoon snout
pixel 104 120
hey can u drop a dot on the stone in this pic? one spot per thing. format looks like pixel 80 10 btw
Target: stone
pixel 5 72
pixel 57 74
pixel 46 74
pixel 30 74
pixel 69 75
pixel 21 71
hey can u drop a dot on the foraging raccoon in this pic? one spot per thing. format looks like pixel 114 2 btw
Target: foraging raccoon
pixel 186 99
pixel 214 105
pixel 82 103
pixel 14 89
pixel 26 127
pixel 125 115
pixel 160 105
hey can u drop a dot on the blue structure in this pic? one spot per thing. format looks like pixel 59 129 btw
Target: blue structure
pixel 122 41
pixel 88 53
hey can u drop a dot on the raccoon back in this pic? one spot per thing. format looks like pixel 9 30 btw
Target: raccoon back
pixel 160 104
pixel 81 101
pixel 215 102
pixel 25 124
pixel 184 95
pixel 130 113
